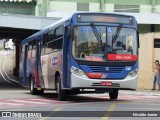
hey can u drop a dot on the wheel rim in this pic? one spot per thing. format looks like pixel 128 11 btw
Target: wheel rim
pixel 31 85
pixel 58 88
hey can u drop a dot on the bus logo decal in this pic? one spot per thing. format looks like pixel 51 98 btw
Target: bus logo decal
pixel 54 61
pixel 104 76
pixel 107 69
pixel 128 68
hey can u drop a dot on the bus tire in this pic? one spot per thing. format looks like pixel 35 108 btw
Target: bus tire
pixel 114 94
pixel 33 90
pixel 61 93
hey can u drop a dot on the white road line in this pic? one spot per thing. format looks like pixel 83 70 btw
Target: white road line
pixel 23 101
pixel 1 103
pixel 2 73
pixel 6 73
pixel 43 100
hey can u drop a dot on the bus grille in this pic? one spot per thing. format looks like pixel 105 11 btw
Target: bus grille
pixel 106 69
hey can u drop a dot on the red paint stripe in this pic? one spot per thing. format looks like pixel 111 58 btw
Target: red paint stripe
pixel 94 75
pixel 36 76
pixel 60 62
pixel 122 57
pixel 94 58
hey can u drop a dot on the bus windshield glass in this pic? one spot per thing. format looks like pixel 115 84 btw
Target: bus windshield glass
pixel 113 46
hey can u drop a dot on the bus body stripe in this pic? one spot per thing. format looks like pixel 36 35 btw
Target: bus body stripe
pixel 36 76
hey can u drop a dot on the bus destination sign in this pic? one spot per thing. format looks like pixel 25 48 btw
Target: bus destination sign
pixel 105 18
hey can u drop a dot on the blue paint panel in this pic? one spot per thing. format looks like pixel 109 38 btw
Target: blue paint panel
pixel 112 72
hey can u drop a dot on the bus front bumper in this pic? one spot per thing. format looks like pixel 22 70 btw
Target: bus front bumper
pixel 79 82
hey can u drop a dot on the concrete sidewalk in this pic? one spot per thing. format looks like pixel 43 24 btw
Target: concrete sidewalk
pixel 141 92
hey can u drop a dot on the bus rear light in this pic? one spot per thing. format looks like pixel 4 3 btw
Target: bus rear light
pixel 78 72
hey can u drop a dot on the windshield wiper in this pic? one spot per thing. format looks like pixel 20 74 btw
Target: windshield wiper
pixel 98 36
pixel 114 38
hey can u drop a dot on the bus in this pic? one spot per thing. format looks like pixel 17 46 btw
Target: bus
pixel 85 53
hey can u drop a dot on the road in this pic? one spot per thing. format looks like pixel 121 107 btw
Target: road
pixel 18 101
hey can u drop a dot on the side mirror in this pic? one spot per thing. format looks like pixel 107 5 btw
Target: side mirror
pixel 69 31
pixel 138 44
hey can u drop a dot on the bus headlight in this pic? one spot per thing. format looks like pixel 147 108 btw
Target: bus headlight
pixel 78 72
pixel 132 73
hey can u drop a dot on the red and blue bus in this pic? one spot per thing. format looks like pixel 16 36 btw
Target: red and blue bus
pixel 87 51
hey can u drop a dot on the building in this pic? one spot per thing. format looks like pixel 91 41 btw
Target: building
pixel 26 7
pixel 141 9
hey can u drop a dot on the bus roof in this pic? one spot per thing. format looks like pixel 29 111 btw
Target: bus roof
pixel 43 31
pixel 61 21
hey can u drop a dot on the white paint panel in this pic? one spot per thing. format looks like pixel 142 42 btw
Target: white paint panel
pixel 145 18
pixel 10 104
pixel 109 7
pixel 62 6
pixel 157 9
pixel 26 101
pixel 94 7
pixel 145 8
pixel 44 60
pixel 25 21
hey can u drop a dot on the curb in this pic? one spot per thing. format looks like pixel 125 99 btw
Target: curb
pixel 141 92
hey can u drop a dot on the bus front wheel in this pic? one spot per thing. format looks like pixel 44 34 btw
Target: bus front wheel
pixel 114 94
pixel 61 93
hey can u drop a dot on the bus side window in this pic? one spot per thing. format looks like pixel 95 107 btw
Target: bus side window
pixel 43 44
pixel 22 51
pixel 57 43
pixel 29 50
pixel 48 47
pixel 34 48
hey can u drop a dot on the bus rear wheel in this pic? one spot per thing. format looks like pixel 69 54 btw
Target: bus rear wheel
pixel 34 90
pixel 114 94
pixel 61 93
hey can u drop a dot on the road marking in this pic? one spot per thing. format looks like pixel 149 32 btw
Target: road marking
pixel 23 101
pixel 45 100
pixel 57 109
pixel 2 73
pixel 141 109
pixel 109 112
pixel 6 72
pixel 10 104
pixel 145 103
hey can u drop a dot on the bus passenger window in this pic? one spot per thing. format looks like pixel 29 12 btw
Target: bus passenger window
pixel 29 54
pixel 34 48
pixel 57 43
pixel 22 51
pixel 48 48
pixel 50 36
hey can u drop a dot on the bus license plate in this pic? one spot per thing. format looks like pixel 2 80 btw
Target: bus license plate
pixel 106 83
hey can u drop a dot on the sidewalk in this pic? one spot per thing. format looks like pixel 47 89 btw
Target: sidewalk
pixel 141 92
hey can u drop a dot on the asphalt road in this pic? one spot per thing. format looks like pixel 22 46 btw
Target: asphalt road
pixel 17 101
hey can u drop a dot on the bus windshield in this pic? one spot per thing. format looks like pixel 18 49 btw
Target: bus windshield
pixel 113 46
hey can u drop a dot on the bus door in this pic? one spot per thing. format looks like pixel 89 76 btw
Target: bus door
pixel 23 66
pixel 38 63
pixel 44 63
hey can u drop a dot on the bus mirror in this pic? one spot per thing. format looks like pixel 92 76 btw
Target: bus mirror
pixel 138 44
pixel 69 31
